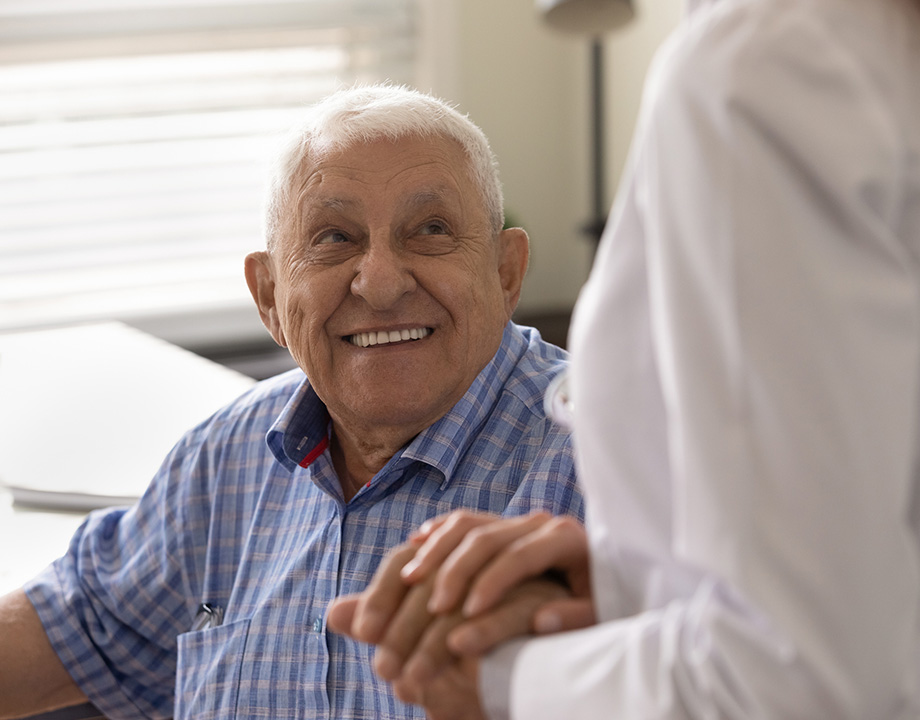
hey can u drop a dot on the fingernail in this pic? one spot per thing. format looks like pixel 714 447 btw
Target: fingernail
pixel 420 534
pixel 464 641
pixel 547 622
pixel 408 569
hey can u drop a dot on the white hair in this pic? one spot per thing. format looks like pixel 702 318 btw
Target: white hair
pixel 366 113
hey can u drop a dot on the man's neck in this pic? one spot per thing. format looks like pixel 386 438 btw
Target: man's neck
pixel 357 461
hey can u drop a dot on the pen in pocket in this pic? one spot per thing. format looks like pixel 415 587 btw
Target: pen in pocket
pixel 208 616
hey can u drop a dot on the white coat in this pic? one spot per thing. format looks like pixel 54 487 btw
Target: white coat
pixel 746 384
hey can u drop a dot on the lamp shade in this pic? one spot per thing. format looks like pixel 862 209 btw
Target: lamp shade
pixel 588 17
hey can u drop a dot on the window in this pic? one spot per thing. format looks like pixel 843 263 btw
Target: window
pixel 134 136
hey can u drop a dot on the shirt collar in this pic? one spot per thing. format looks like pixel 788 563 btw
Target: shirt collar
pixel 301 432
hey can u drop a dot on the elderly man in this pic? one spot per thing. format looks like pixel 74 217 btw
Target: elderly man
pixel 389 277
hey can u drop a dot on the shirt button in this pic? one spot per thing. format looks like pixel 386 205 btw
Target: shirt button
pixel 318 625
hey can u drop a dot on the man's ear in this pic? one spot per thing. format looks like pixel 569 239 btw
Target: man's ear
pixel 514 254
pixel 261 282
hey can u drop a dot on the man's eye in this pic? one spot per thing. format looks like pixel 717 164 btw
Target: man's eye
pixel 434 228
pixel 331 238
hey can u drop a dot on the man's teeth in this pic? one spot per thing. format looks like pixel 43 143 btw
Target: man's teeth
pixel 383 337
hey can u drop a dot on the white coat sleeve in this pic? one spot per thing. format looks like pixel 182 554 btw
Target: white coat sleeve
pixel 783 310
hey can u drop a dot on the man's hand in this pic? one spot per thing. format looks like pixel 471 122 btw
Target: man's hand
pixel 393 614
pixel 413 652
pixel 461 585
pixel 366 615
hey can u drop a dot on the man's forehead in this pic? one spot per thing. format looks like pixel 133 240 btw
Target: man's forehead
pixel 337 188
pixel 383 159
pixel 407 173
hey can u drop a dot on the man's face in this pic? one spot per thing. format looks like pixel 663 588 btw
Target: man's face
pixel 389 287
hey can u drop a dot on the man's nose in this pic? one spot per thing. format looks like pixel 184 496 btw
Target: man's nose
pixel 383 275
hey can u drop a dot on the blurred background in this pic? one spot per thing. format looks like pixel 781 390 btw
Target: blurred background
pixel 134 136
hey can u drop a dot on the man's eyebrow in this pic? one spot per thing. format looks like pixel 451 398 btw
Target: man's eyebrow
pixel 337 203
pixel 327 203
pixel 312 206
pixel 425 197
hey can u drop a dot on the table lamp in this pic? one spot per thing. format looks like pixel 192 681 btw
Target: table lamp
pixel 586 17
pixel 591 18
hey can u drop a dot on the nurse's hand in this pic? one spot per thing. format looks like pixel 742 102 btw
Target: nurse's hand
pixel 489 555
pixel 477 560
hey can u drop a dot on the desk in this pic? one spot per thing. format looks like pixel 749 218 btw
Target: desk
pixel 87 414
pixel 30 540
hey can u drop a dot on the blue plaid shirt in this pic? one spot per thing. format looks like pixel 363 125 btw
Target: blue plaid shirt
pixel 247 513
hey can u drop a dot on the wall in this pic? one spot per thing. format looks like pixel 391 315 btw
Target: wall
pixel 526 85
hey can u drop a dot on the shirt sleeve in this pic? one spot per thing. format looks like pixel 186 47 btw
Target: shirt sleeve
pixel 550 483
pixel 783 311
pixel 114 605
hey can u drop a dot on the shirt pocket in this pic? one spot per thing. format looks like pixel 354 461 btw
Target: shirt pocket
pixel 208 673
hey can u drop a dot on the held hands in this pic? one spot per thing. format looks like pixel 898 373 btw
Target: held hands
pixel 464 583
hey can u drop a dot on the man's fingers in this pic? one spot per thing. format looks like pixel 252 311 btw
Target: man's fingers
pixel 477 549
pixel 377 604
pixel 558 544
pixel 513 617
pixel 403 632
pixel 452 695
pixel 341 614
pixel 428 660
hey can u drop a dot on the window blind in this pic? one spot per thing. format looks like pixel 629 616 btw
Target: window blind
pixel 135 135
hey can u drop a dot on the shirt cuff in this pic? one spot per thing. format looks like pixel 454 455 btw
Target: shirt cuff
pixel 495 672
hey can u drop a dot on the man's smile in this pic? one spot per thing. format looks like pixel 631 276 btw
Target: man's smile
pixel 385 337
